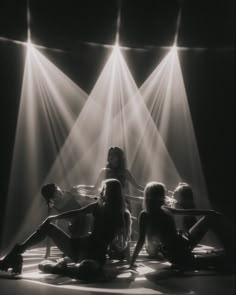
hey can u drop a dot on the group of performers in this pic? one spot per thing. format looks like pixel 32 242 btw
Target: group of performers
pixel 100 225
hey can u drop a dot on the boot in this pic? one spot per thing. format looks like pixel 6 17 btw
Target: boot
pixel 13 261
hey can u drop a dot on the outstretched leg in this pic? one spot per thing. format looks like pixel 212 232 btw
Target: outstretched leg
pixel 221 226
pixel 59 237
pixel 46 229
pixel 198 230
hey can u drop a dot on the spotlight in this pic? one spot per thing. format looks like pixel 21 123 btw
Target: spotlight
pixel 116 47
pixel 29 45
pixel 174 49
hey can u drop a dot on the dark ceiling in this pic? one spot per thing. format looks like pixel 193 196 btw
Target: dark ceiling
pixel 56 23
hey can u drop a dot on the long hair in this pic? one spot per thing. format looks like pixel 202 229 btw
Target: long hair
pixel 112 196
pixel 154 196
pixel 120 154
pixel 113 202
pixel 184 195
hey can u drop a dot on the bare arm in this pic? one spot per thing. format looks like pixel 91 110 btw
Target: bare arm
pixel 134 198
pixel 141 239
pixel 191 212
pixel 133 182
pixel 81 188
pixel 101 177
pixel 128 223
pixel 73 213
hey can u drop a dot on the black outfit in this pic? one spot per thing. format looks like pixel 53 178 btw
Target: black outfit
pixel 95 245
pixel 175 245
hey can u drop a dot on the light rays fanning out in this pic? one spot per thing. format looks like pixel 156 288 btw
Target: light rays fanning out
pixel 114 114
pixel 49 105
pixel 165 96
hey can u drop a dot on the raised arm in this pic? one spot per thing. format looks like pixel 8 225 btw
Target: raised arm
pixel 85 189
pixel 128 222
pixel 192 212
pixel 130 178
pixel 141 238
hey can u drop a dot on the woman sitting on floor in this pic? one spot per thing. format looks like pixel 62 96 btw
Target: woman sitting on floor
pixel 183 194
pixel 111 218
pixel 157 220
pixel 116 168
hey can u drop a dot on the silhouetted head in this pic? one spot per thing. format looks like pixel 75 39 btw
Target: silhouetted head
pixel 154 196
pixel 112 194
pixel 50 192
pixel 115 158
pixel 183 194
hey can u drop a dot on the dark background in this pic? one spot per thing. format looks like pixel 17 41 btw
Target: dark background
pixel 80 28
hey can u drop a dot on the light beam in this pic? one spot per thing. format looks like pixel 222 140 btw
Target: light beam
pixel 165 96
pixel 49 105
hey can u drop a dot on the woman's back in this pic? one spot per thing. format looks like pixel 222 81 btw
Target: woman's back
pixel 173 244
pixel 109 218
pixel 160 224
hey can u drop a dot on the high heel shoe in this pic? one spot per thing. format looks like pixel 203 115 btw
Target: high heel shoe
pixel 13 261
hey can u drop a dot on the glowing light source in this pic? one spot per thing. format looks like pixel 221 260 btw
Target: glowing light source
pixel 116 47
pixel 29 45
pixel 174 48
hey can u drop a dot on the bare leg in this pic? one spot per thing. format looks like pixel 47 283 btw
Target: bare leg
pixel 221 226
pixel 198 230
pixel 60 238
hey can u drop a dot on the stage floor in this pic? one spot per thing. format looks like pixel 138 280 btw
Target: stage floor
pixel 153 277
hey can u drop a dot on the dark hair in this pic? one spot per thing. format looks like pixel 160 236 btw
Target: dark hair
pixel 112 188
pixel 48 190
pixel 114 204
pixel 154 196
pixel 185 195
pixel 119 153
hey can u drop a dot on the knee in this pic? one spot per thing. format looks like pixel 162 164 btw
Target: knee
pixel 45 226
